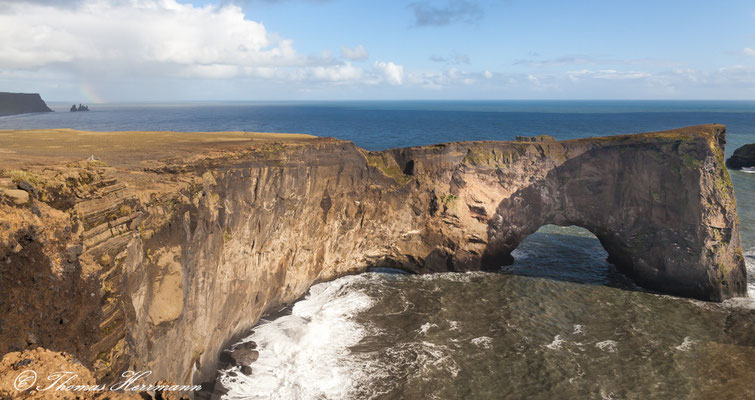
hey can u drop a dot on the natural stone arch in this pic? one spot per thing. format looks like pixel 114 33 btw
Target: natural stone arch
pixel 645 211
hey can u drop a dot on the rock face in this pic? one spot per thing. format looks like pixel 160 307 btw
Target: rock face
pixel 743 157
pixel 21 103
pixel 165 264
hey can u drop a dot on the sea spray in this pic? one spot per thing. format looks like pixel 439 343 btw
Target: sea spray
pixel 305 354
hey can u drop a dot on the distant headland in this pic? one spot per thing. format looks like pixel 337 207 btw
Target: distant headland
pixel 21 103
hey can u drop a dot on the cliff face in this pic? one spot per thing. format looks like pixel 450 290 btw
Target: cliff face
pixel 157 264
pixel 21 103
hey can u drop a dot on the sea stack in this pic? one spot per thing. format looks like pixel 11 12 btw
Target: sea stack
pixel 743 157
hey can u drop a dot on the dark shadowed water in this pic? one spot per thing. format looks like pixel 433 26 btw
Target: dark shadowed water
pixel 558 323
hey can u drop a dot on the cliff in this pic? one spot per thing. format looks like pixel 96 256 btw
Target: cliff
pixel 158 254
pixel 21 103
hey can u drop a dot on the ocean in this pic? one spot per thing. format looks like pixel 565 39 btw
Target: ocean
pixel 560 322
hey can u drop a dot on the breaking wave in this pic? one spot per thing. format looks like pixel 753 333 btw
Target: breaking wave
pixel 305 355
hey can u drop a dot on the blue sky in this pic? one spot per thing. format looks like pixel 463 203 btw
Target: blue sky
pixel 169 50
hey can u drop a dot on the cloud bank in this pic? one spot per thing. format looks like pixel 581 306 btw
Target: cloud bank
pixel 164 38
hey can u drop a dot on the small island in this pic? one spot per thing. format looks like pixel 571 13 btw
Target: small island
pixel 79 108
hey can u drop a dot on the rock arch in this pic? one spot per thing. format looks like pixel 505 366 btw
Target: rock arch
pixel 653 214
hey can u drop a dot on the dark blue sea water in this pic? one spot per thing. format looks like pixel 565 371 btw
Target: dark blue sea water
pixel 560 322
pixel 380 125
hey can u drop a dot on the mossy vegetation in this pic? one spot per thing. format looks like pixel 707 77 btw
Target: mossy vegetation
pixel 106 260
pixel 485 156
pixel 448 200
pixel 387 165
pixel 18 176
pixel 722 180
pixel 124 210
pixel 269 148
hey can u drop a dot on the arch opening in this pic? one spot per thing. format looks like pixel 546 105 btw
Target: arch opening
pixel 566 253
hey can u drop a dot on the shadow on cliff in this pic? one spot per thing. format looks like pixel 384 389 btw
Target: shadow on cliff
pixel 57 310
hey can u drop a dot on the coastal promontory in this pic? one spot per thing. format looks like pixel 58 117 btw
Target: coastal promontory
pixel 743 157
pixel 155 250
pixel 21 103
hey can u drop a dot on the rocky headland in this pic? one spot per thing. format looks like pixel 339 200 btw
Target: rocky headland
pixel 743 157
pixel 21 103
pixel 156 250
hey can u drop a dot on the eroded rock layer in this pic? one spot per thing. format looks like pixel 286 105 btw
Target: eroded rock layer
pixel 156 263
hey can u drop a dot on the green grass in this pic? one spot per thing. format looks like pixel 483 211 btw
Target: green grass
pixel 388 166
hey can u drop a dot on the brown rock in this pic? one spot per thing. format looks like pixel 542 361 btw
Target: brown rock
pixel 244 356
pixel 17 196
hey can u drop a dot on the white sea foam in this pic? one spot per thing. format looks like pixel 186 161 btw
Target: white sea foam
pixel 305 355
pixel 482 341
pixel 607 345
pixel 686 344
pixel 436 357
pixel 556 343
pixel 578 329
pixel 452 276
pixel 520 254
pixel 426 327
pixel 750 266
pixel 749 170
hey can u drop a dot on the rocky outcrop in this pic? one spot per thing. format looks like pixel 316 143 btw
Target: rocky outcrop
pixel 21 103
pixel 163 265
pixel 743 157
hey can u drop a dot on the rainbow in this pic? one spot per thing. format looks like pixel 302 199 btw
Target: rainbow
pixel 88 91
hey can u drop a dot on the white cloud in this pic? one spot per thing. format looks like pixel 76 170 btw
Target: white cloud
pixel 165 39
pixel 160 38
pixel 607 74
pixel 749 52
pixel 140 34
pixel 358 53
pixel 337 73
pixel 389 72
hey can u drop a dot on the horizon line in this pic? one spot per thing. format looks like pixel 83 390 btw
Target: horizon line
pixel 391 100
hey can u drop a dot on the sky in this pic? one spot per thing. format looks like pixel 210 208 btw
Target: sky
pixel 256 50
